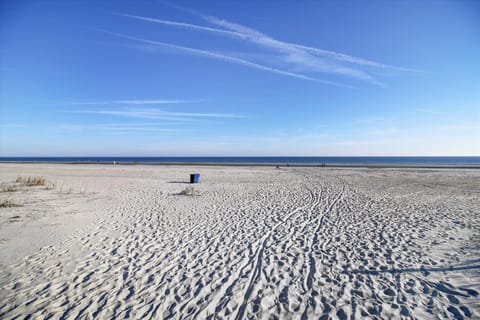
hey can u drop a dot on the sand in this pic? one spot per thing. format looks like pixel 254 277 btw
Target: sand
pixel 106 241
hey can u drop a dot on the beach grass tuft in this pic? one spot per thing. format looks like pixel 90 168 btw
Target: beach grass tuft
pixel 7 188
pixel 189 191
pixel 31 181
pixel 8 204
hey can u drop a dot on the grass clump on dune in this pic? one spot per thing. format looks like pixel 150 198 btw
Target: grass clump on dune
pixel 32 181
pixel 189 191
pixel 8 204
pixel 7 188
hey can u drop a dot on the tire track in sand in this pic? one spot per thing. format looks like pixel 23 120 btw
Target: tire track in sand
pixel 312 263
pixel 255 263
pixel 258 259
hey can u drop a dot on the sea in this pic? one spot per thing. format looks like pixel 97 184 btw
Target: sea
pixel 458 161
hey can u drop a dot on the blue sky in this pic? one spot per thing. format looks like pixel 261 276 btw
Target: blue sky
pixel 154 78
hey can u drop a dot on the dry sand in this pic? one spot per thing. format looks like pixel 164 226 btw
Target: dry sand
pixel 255 242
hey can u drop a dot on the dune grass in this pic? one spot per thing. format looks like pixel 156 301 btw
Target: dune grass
pixel 7 188
pixel 189 191
pixel 7 203
pixel 32 181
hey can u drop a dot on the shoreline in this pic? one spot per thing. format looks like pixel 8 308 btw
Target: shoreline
pixel 261 164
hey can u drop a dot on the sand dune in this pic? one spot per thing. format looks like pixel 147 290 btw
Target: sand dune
pixel 293 243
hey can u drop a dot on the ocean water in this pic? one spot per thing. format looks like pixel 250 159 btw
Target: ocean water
pixel 259 160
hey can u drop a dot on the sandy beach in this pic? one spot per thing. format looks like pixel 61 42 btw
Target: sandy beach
pixel 104 241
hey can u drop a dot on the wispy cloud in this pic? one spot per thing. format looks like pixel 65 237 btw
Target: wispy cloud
pixel 116 128
pixel 184 25
pixel 12 125
pixel 222 57
pixel 384 131
pixel 151 113
pixel 267 41
pixel 433 111
pixel 133 102
pixel 300 57
pixel 354 60
pixel 292 53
